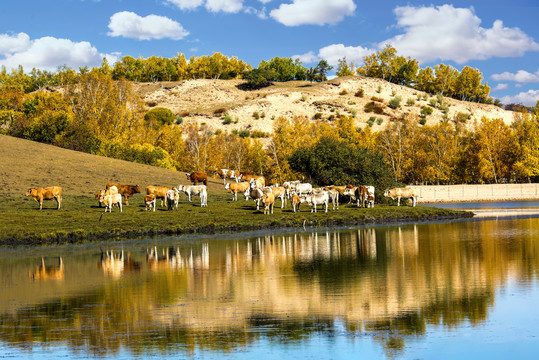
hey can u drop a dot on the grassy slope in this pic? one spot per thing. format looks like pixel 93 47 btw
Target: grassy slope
pixel 25 164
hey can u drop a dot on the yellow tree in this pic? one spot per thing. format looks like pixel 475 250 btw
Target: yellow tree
pixel 111 110
pixel 527 135
pixel 495 144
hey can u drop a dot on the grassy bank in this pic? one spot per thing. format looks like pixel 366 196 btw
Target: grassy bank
pixel 25 164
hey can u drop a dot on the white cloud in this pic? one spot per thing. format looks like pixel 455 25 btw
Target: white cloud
pixel 228 6
pixel 332 54
pixel 501 87
pixel 313 12
pixel 130 25
pixel 10 44
pixel 528 98
pixel 186 4
pixel 449 33
pixel 521 76
pixel 48 53
pixel 353 54
pixel 308 58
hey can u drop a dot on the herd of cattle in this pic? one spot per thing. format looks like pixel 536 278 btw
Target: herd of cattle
pixel 251 186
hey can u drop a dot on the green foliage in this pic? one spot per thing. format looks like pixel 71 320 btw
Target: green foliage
pixel 395 102
pixel 379 121
pixel 259 78
pixel 331 161
pixel 345 69
pixel 426 111
pixel 284 69
pixel 159 116
pixel 256 115
pixel 140 153
pixel 228 119
pixel 410 102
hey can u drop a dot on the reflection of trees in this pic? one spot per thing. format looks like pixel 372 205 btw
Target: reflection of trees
pixel 391 282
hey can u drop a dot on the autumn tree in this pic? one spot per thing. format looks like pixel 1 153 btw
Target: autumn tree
pixel 345 69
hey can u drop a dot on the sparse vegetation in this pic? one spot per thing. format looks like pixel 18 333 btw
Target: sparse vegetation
pixel 343 92
pixel 395 102
pixel 359 93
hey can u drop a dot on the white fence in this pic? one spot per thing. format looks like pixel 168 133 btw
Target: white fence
pixel 455 193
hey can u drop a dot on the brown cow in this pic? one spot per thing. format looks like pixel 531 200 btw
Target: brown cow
pixel 196 177
pixel 160 192
pixel 40 194
pixel 126 190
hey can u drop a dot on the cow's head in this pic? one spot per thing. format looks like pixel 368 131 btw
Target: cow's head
pixel 29 192
pixel 188 175
pixel 136 189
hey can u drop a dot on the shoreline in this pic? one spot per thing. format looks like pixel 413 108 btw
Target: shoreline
pixel 77 236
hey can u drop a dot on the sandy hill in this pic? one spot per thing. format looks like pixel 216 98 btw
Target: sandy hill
pixel 206 101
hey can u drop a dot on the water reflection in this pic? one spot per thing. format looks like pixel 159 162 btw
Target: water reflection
pixel 223 295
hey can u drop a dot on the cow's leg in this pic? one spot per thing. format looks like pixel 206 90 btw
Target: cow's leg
pixel 40 204
pixel 120 205
pixel 399 201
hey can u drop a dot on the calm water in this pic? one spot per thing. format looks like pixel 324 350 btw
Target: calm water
pixel 466 289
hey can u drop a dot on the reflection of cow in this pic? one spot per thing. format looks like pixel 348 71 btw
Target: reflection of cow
pixel 51 272
pixel 49 193
pixel 116 265
pixel 398 193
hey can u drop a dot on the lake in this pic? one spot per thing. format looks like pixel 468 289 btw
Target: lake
pixel 461 289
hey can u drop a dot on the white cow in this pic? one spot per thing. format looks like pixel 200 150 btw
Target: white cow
pixel 111 200
pixel 197 190
pixel 256 193
pixel 321 198
pixel 398 193
pixel 172 198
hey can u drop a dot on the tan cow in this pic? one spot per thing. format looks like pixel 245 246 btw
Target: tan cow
pixel 160 192
pixel 398 193
pixel 279 192
pixel 235 188
pixel 49 193
pixel 269 201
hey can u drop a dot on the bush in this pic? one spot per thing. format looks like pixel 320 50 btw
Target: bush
pixel 462 117
pixel 377 99
pixel 228 119
pixel 410 102
pixel 426 111
pixel 422 121
pixel 160 116
pixel 353 112
pixel 218 112
pixel 343 92
pixel 359 93
pixel 373 107
pixel 395 102
pixel 256 115
pixel 317 116
pixel 379 121
pixel 245 133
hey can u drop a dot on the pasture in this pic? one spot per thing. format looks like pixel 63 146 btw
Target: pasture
pixel 25 164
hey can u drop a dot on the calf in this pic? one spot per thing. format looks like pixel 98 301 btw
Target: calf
pixel 398 193
pixel 269 201
pixel 173 198
pixel 296 201
pixel 49 193
pixel 149 201
pixel 256 194
pixel 198 190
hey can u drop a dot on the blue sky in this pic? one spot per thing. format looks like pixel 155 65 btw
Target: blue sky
pixel 500 38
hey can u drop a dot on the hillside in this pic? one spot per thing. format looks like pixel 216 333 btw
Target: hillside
pixel 205 101
pixel 25 164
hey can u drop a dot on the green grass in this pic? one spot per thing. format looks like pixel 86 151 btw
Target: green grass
pixel 25 164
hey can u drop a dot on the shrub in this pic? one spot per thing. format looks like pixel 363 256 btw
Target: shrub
pixel 370 122
pixel 245 133
pixel 410 102
pixel 343 92
pixel 426 111
pixel 317 116
pixel 228 119
pixel 256 115
pixel 379 121
pixel 359 93
pixel 151 103
pixel 462 117
pixel 258 134
pixel 179 120
pixel 374 98
pixel 160 116
pixel 369 107
pixel 395 102
pixel 353 112
pixel 379 89
pixel 422 121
